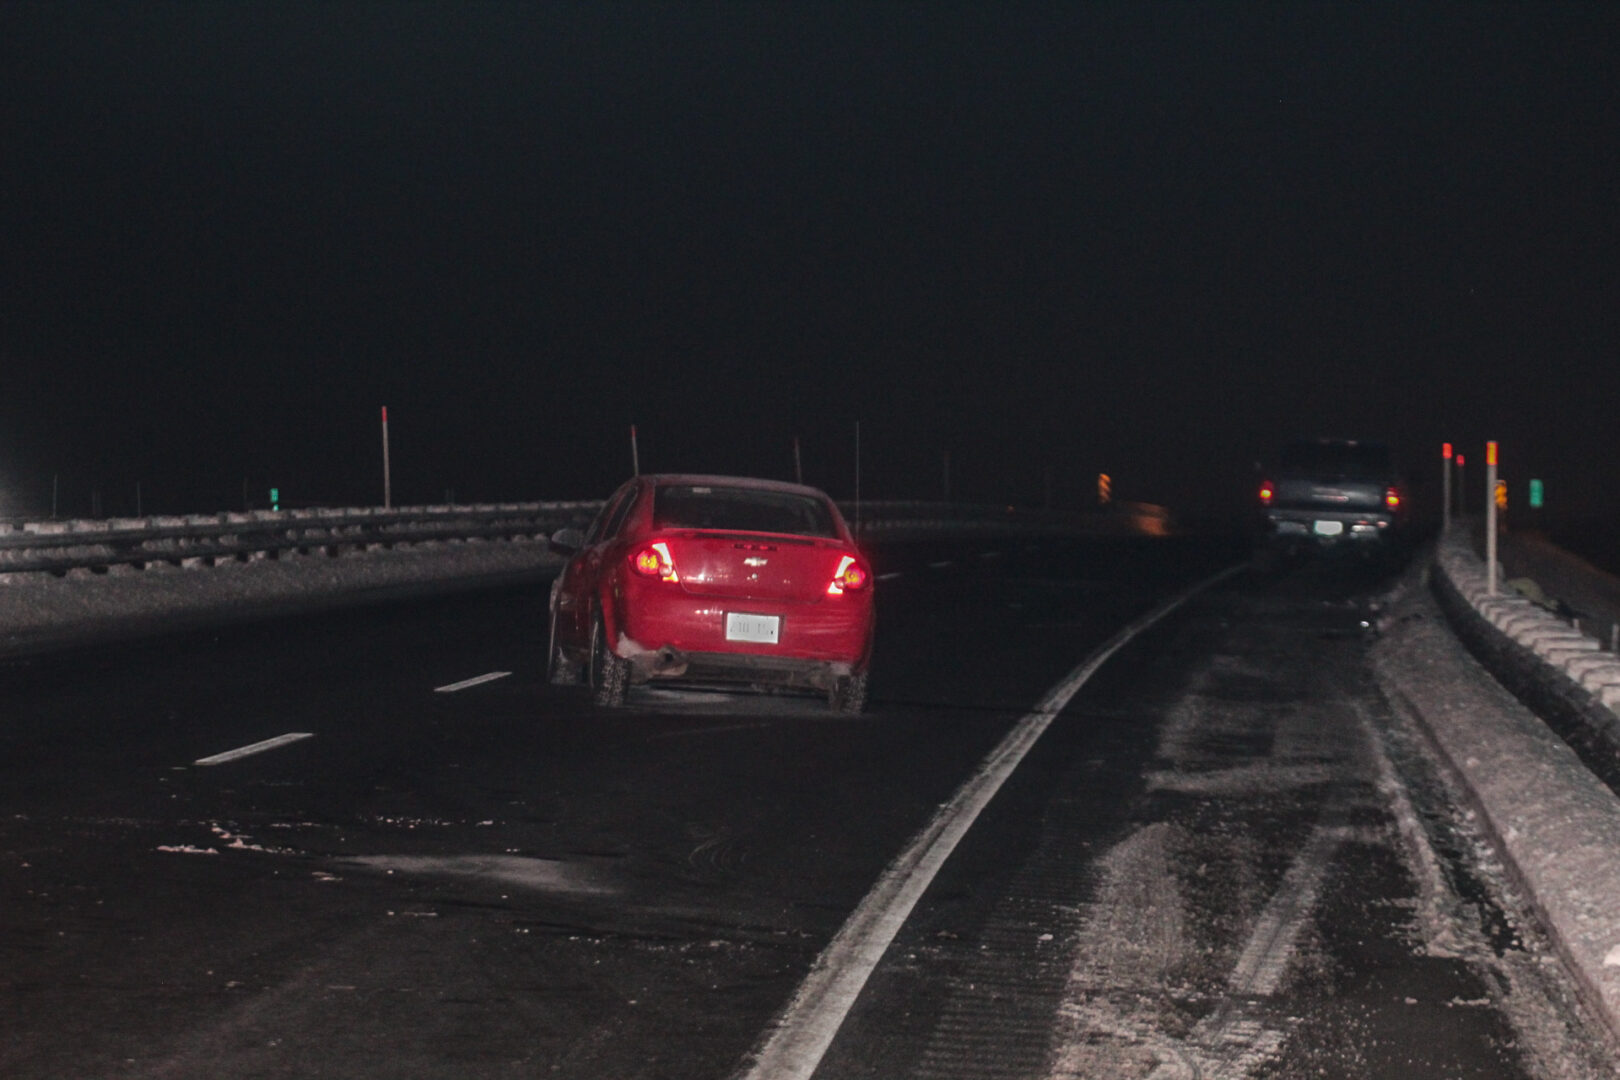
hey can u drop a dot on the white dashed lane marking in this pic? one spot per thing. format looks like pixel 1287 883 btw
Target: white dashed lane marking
pixel 476 680
pixel 255 748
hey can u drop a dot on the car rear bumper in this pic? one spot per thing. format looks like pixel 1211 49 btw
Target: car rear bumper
pixel 835 631
pixel 1328 526
pixel 668 663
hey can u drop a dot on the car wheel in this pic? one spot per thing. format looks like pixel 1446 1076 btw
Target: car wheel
pixel 610 674
pixel 848 694
pixel 559 669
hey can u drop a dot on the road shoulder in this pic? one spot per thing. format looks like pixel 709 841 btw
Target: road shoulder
pixel 1556 825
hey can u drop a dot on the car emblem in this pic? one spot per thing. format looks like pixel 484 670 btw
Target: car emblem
pixel 755 560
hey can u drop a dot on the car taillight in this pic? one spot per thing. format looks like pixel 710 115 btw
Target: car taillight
pixel 654 561
pixel 1266 493
pixel 850 575
pixel 1392 498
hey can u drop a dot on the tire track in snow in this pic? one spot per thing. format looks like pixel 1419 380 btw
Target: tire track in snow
pixel 800 1037
pixel 1119 1011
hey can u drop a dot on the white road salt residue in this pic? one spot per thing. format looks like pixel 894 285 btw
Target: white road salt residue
pixel 540 875
pixel 239 842
pixel 1134 939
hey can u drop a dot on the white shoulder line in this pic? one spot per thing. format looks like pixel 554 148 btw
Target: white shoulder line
pixel 801 1035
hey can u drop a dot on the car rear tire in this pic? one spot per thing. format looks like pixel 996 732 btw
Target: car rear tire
pixel 559 669
pixel 610 674
pixel 848 694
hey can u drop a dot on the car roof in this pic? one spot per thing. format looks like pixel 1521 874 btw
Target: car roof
pixel 754 482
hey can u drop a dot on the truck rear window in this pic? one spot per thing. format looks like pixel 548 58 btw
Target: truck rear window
pixel 1352 461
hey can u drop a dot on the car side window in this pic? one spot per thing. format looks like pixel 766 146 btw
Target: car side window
pixel 599 527
pixel 620 514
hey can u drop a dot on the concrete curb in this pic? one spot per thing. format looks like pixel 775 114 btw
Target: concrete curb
pixel 1557 824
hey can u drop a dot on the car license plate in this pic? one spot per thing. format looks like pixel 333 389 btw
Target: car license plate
pixel 1329 528
pixel 763 629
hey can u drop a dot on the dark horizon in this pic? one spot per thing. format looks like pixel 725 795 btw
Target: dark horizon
pixel 1152 241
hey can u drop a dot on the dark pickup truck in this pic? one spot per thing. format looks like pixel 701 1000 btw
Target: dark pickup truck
pixel 1329 492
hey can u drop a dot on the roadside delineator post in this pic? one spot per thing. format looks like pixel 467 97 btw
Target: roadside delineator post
pixel 1445 488
pixel 1490 518
pixel 388 477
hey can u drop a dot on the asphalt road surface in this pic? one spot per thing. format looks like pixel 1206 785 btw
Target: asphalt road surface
pixel 1227 857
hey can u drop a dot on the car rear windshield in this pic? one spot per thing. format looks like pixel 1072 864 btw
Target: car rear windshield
pixel 1363 461
pixel 695 506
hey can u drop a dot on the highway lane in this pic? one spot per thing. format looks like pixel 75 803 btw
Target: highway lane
pixel 1230 858
pixel 429 884
pixel 498 881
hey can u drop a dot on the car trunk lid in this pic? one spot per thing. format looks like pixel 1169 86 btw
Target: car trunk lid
pixel 762 566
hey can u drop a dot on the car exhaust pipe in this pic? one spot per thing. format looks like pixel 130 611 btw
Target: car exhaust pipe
pixel 666 661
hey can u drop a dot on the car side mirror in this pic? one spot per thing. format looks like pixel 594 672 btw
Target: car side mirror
pixel 566 541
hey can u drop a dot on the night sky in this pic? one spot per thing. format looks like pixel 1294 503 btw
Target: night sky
pixel 1050 240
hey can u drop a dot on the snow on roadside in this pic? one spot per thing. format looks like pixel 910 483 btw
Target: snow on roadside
pixel 1557 825
pixel 38 611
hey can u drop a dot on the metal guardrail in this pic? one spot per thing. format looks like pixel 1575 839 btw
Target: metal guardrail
pixel 56 547
pixel 200 540
pixel 882 519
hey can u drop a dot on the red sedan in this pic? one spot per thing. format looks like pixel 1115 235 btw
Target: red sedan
pixel 713 579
